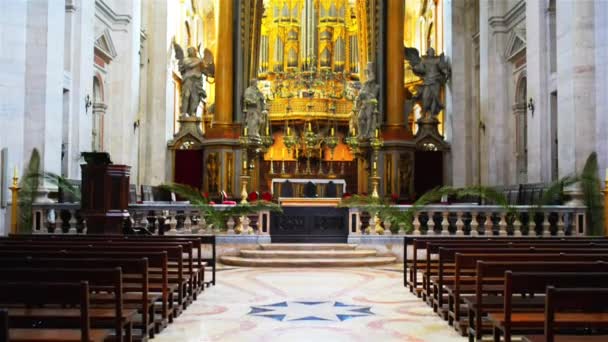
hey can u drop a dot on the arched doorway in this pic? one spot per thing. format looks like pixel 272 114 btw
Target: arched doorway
pixel 99 111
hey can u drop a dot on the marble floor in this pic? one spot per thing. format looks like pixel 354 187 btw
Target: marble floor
pixel 278 304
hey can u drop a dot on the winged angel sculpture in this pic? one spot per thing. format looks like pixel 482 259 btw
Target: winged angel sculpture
pixel 192 68
pixel 435 72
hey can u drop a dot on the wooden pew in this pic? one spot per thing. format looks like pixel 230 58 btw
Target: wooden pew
pixel 158 282
pixel 432 249
pixel 419 242
pixel 462 288
pixel 33 294
pixel 569 301
pixel 490 283
pixel 134 276
pixel 174 254
pixel 431 271
pixel 107 280
pixel 506 322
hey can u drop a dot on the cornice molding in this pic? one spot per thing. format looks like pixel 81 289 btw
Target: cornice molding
pixel 112 19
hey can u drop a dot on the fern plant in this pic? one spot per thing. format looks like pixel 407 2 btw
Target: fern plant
pixel 28 191
pixel 211 214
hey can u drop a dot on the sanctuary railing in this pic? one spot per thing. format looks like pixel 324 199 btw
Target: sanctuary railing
pixel 169 218
pixel 473 219
pixel 457 219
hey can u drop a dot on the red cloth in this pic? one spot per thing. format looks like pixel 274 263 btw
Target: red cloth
pixel 253 196
pixel 229 202
pixel 267 196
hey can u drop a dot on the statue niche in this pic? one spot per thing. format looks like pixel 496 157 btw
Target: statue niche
pixel 192 68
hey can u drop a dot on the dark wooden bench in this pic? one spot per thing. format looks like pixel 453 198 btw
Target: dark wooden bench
pixel 104 280
pixel 158 283
pixel 574 301
pixel 177 273
pixel 465 277
pixel 134 276
pixel 36 294
pixel 506 322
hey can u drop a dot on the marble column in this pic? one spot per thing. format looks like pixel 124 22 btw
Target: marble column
pixel 225 65
pixel 576 93
pixel 156 125
pixel 494 101
pixel 461 124
pixel 537 74
pixel 395 96
pixel 44 83
pixel 601 83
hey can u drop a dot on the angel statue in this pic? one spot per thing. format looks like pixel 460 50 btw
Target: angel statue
pixel 366 102
pixel 192 68
pixel 435 72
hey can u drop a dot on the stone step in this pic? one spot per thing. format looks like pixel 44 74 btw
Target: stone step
pixel 298 254
pixel 307 246
pixel 317 262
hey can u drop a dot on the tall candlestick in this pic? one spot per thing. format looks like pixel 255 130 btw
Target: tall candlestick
pixel 375 165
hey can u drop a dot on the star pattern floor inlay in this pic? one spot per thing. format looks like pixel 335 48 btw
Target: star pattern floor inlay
pixel 308 304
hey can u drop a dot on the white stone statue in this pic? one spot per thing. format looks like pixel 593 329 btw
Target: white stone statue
pixel 192 68
pixel 366 103
pixel 254 107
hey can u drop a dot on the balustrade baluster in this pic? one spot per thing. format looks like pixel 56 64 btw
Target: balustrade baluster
pixel 372 225
pixel 203 224
pixel 430 223
pixel 230 225
pixel 58 222
pixel 503 225
pixel 517 226
pixel 187 223
pixel 195 222
pixel 560 224
pixel 459 224
pixel 84 226
pixel 531 225
pixel 474 224
pixel 245 222
pixel 546 225
pixel 144 223
pixel 73 222
pixel 416 223
pixel 445 224
pixel 172 223
pixel 488 225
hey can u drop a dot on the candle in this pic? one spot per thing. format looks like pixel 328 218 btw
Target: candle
pixel 309 126
pixel 354 132
pixel 267 129
pixel 16 172
pixel 374 165
pixel 244 164
pixel 288 130
pixel 376 132
pixel 283 154
pixel 332 131
pixel 605 178
pixel 245 131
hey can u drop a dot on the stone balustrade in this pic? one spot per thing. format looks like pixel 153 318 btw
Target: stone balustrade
pixel 459 219
pixel 474 220
pixel 169 218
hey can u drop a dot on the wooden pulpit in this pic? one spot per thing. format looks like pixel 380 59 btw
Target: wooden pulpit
pixel 105 194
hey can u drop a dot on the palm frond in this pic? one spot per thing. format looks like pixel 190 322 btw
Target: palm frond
pixel 591 186
pixel 61 182
pixel 187 192
pixel 27 193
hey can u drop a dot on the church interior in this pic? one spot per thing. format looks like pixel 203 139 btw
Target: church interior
pixel 290 170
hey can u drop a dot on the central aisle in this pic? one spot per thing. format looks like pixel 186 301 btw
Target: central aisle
pixel 310 304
